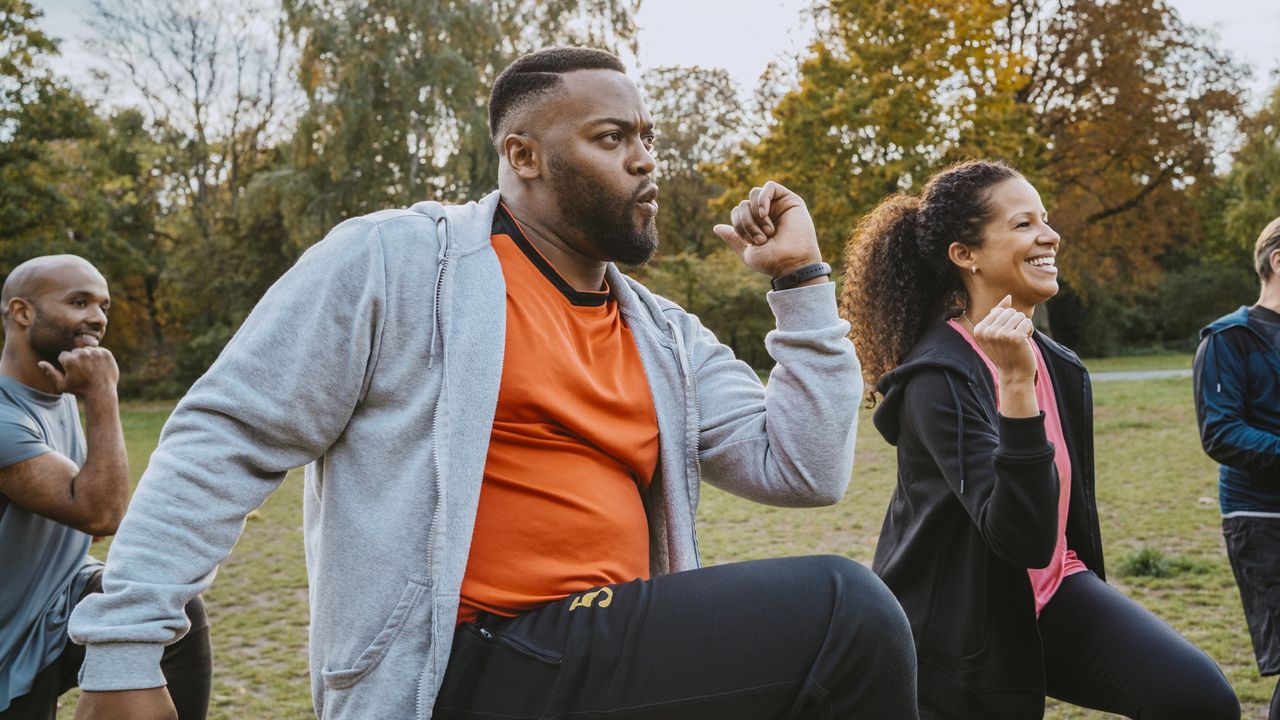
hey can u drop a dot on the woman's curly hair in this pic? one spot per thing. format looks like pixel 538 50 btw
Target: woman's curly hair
pixel 898 277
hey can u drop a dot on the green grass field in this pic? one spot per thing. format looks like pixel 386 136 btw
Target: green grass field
pixel 1156 491
pixel 1158 361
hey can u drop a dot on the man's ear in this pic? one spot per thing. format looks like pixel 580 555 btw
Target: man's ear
pixel 523 154
pixel 1274 259
pixel 21 312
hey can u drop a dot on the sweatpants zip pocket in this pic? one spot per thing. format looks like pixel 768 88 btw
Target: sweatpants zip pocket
pixel 519 647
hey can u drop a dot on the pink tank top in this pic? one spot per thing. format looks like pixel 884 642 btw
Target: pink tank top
pixel 1044 581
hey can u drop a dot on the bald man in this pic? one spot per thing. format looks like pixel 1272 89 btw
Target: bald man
pixel 59 486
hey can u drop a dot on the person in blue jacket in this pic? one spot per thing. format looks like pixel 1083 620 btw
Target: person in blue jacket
pixel 1237 388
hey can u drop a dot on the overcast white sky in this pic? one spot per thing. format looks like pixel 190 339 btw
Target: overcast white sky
pixel 743 36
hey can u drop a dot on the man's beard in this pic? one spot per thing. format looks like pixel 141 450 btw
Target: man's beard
pixel 48 340
pixel 607 222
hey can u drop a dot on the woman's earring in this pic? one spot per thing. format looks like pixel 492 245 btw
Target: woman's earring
pixel 973 269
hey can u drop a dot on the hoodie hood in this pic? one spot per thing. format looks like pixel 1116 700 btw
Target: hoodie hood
pixel 465 228
pixel 942 348
pixel 461 229
pixel 1239 318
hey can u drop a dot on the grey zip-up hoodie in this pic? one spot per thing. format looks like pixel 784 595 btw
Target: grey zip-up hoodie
pixel 376 362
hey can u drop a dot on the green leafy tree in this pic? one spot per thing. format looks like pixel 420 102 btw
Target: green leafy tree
pixel 38 114
pixel 1218 274
pixel 75 181
pixel 1253 183
pixel 397 95
pixel 214 83
pixel 700 119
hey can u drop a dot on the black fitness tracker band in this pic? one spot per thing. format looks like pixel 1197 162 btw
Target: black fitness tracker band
pixel 794 278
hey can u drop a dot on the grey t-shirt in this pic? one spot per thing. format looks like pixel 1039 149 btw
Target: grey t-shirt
pixel 44 564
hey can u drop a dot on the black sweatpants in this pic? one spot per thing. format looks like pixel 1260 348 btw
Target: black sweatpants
pixel 1107 652
pixel 187 665
pixel 811 637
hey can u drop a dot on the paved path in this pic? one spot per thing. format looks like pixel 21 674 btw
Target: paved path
pixel 1141 374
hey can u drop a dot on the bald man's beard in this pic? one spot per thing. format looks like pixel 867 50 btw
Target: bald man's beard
pixel 48 340
pixel 608 222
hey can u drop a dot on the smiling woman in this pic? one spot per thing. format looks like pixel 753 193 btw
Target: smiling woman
pixel 991 540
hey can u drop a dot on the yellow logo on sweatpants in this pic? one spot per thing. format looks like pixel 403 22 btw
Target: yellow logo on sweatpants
pixel 586 600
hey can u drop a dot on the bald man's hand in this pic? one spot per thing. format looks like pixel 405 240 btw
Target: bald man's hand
pixel 87 372
pixel 90 498
pixel 772 232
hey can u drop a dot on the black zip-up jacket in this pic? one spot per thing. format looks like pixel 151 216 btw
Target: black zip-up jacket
pixel 975 506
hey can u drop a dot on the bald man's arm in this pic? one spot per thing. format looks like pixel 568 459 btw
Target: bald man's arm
pixel 91 498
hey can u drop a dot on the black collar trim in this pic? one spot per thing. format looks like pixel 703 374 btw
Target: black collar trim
pixel 504 223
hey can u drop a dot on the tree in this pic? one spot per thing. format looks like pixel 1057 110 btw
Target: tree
pixel 1130 103
pixel 881 98
pixel 37 114
pixel 212 78
pixel 1219 273
pixel 213 81
pixel 1114 110
pixel 397 94
pixel 1253 184
pixel 75 181
pixel 251 168
pixel 700 118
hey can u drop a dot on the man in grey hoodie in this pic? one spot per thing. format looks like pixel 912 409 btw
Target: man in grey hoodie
pixel 504 439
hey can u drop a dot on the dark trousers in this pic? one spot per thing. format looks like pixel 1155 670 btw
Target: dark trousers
pixel 812 637
pixel 1107 652
pixel 187 665
pixel 1251 547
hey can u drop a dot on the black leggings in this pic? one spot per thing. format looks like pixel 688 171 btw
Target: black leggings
pixel 813 637
pixel 187 665
pixel 1107 652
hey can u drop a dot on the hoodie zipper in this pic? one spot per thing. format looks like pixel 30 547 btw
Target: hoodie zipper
pixel 442 261
pixel 433 530
pixel 691 390
pixel 442 235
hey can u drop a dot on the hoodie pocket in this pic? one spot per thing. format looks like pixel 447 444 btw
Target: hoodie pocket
pixel 410 597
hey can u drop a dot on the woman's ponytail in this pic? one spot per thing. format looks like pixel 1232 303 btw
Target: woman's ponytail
pixel 887 282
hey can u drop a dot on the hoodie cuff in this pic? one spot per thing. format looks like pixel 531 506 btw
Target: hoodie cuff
pixel 1024 438
pixel 805 308
pixel 122 666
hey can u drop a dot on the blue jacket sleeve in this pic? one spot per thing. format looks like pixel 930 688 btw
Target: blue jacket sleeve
pixel 1220 385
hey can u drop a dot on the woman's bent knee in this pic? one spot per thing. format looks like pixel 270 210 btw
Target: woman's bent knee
pixel 1209 697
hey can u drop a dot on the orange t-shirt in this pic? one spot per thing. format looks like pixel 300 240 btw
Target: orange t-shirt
pixel 574 444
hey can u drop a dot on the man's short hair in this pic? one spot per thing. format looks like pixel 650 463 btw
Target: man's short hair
pixel 1268 242
pixel 534 75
